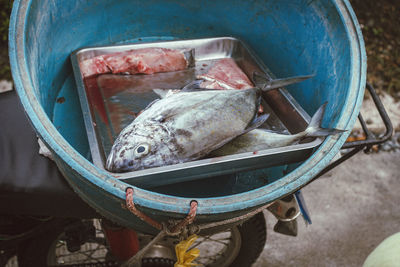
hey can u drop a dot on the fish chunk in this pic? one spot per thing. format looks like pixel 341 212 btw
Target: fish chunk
pixel 225 74
pixel 144 61
pixel 211 85
pixel 93 66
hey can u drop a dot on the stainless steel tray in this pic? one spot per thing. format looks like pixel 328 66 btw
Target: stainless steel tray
pixel 110 102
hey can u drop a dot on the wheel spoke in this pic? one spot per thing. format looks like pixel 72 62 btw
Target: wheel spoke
pixel 205 239
pixel 220 241
pixel 219 249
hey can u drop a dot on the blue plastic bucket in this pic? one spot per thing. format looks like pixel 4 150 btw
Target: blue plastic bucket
pixel 291 37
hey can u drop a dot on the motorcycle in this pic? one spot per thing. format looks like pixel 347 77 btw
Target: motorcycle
pixel 44 223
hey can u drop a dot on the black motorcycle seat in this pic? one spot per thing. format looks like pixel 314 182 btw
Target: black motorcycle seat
pixel 31 184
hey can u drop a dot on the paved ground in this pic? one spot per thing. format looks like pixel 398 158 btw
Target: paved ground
pixel 353 209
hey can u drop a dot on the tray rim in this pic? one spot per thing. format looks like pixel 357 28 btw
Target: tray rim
pixel 136 177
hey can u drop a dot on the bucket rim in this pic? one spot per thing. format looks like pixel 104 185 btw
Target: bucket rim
pixel 167 203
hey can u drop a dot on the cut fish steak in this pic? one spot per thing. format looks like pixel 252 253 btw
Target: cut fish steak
pixel 225 74
pixel 144 61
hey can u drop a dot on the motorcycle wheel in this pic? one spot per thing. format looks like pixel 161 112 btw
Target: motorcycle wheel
pixel 238 246
pixel 52 248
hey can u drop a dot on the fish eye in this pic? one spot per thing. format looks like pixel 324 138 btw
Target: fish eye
pixel 142 149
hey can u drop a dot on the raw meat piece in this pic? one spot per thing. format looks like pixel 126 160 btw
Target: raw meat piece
pixel 145 60
pixel 211 85
pixel 225 74
pixel 93 66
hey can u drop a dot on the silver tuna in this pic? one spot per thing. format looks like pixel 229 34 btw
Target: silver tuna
pixel 187 126
pixel 260 139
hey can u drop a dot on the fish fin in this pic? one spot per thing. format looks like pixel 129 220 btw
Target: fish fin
pixel 256 122
pixel 265 83
pixel 283 132
pixel 161 92
pixel 193 90
pixel 260 79
pixel 109 161
pixel 192 86
pixel 195 87
pixel 314 129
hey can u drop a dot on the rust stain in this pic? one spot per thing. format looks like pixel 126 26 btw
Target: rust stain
pixel 60 100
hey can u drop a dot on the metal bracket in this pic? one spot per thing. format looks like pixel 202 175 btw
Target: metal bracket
pixel 370 140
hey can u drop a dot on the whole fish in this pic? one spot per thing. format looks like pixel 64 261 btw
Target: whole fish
pixel 186 126
pixel 260 139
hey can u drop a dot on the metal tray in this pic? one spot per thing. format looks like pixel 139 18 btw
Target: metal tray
pixel 110 102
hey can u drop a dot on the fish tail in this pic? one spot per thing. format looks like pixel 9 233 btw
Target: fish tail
pixel 314 129
pixel 265 83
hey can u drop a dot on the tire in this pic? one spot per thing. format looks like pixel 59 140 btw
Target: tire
pixel 245 244
pixel 41 251
pixel 37 246
pixel 254 235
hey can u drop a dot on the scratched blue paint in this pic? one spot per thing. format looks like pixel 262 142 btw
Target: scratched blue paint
pixel 291 37
pixel 67 117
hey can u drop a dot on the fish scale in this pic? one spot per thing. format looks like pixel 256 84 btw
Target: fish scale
pixel 194 121
pixel 260 139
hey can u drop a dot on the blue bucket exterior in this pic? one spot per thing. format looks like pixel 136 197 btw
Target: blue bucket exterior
pixel 291 37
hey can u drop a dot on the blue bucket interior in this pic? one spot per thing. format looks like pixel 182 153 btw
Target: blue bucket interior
pixel 291 37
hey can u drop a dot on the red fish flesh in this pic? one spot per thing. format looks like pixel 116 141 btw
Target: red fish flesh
pixel 93 66
pixel 144 60
pixel 225 74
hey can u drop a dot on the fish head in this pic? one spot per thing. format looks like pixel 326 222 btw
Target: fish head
pixel 138 147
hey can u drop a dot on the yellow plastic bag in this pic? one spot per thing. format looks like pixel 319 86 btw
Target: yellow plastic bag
pixel 184 257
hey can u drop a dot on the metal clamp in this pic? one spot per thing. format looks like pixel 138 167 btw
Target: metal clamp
pixel 370 140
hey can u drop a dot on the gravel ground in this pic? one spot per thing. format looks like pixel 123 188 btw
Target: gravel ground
pixel 354 207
